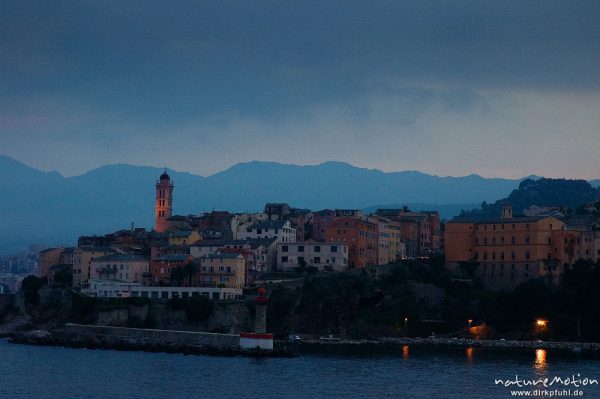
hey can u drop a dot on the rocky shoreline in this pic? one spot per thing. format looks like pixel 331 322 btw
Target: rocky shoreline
pixel 577 347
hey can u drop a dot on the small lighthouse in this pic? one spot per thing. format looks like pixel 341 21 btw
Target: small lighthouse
pixel 260 322
pixel 259 339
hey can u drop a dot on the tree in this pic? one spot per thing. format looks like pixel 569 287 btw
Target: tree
pixel 30 287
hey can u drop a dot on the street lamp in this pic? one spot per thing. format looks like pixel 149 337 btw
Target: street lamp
pixel 405 326
pixel 470 321
pixel 541 323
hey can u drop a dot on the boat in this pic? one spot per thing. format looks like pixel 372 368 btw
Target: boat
pixel 330 338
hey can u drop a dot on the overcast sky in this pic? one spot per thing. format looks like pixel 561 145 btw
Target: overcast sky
pixel 498 88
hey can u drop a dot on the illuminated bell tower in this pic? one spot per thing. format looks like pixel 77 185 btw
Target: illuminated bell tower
pixel 164 201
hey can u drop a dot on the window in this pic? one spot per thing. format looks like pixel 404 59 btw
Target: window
pixel 300 248
pixel 284 248
pixel 317 259
pixel 317 248
pixel 334 248
pixel 284 259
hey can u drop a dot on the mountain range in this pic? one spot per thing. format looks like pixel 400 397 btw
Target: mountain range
pixel 45 207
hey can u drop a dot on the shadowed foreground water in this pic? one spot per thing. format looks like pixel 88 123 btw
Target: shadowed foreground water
pixel 51 372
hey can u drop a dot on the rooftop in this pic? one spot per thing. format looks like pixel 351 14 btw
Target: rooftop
pixel 121 258
pixel 226 255
pixel 269 224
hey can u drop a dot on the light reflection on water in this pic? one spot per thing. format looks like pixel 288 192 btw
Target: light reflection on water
pixel 469 353
pixel 381 372
pixel 540 364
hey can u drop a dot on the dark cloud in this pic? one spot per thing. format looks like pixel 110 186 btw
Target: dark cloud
pixel 107 70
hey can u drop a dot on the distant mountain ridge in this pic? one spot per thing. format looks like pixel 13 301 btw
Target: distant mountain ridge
pixel 45 207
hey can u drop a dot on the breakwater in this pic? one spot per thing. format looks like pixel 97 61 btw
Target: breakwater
pixel 150 340
pixel 587 347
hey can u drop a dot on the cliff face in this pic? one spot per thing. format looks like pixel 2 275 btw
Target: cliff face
pixel 228 318
pixel 44 308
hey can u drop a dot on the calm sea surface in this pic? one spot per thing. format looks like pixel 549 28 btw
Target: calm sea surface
pixel 51 372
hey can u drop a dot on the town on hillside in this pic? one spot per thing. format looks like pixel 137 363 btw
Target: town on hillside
pixel 218 254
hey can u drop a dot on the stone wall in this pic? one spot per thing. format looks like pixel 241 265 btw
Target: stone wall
pixel 147 336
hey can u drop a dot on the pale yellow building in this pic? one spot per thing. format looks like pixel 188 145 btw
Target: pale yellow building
pixel 48 258
pixel 82 259
pixel 121 267
pixel 223 270
pixel 183 237
pixel 390 247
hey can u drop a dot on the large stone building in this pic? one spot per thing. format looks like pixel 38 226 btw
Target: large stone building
pixel 509 250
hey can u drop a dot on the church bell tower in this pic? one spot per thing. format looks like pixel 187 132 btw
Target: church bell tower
pixel 164 201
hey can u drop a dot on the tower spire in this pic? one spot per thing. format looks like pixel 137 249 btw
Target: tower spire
pixel 164 201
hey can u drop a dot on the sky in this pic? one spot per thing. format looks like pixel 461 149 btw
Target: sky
pixel 498 88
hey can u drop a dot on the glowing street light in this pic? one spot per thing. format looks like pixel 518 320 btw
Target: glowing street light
pixel 470 321
pixel 541 323
pixel 405 326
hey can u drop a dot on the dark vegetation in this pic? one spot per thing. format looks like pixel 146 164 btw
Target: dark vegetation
pixel 361 306
pixel 562 193
pixel 30 287
pixel 197 308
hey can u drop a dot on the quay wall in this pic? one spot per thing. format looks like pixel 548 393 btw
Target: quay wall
pixel 147 336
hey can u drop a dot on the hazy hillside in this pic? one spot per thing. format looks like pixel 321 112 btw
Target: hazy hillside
pixel 543 192
pixel 48 208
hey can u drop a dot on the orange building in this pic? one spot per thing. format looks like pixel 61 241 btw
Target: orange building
pixel 508 251
pixel 360 236
pixel 48 258
pixel 162 265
